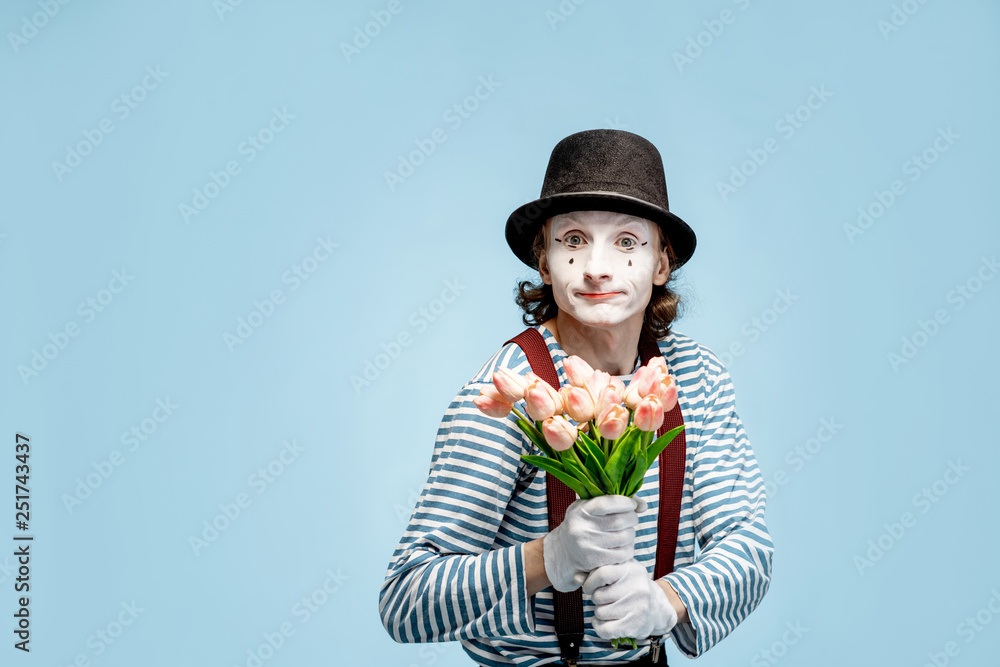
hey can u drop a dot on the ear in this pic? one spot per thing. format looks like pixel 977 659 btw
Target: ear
pixel 543 260
pixel 662 272
pixel 543 268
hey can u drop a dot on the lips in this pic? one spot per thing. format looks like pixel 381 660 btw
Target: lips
pixel 599 295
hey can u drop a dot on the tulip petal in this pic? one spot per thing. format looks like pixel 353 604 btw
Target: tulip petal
pixel 578 371
pixel 559 433
pixel 510 384
pixel 492 407
pixel 578 404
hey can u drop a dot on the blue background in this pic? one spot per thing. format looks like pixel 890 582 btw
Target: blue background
pixel 338 506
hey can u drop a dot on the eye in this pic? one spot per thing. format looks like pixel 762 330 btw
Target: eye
pixel 627 242
pixel 573 239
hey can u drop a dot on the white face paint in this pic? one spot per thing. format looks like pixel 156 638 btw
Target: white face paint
pixel 602 266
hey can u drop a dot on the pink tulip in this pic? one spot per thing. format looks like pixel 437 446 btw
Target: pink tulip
pixel 577 370
pixel 579 404
pixel 658 364
pixel 559 433
pixel 542 401
pixel 669 397
pixel 618 384
pixel 649 413
pixel 660 386
pixel 491 403
pixel 596 384
pixel 531 377
pixel 613 421
pixel 649 383
pixel 631 395
pixel 609 396
pixel 510 385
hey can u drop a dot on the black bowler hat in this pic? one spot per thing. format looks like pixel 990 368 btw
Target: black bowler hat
pixel 601 170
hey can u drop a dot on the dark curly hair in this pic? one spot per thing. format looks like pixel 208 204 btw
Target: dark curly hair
pixel 539 305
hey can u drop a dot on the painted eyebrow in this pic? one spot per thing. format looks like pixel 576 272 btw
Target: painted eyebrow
pixel 621 222
pixel 630 264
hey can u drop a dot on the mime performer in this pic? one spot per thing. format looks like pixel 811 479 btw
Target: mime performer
pixel 479 562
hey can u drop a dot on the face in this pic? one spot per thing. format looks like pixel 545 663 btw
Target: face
pixel 602 266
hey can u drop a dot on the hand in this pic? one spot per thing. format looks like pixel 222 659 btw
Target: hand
pixel 599 531
pixel 629 603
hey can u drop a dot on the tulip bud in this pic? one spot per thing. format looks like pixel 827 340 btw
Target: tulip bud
pixel 610 396
pixel 613 421
pixel 559 433
pixel 649 383
pixel 491 403
pixel 596 384
pixel 649 413
pixel 542 401
pixel 510 385
pixel 663 389
pixel 577 370
pixel 659 365
pixel 669 397
pixel 631 395
pixel 579 404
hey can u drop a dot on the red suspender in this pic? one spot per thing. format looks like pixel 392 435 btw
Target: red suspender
pixel 673 461
pixel 569 606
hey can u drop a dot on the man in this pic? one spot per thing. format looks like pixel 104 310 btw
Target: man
pixel 478 562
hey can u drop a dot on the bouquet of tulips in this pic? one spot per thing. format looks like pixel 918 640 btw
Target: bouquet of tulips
pixel 608 446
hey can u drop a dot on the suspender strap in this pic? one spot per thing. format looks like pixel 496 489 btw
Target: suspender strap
pixel 569 606
pixel 673 460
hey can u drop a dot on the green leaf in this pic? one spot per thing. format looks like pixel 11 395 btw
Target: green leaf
pixel 555 469
pixel 543 462
pixel 595 453
pixel 588 445
pixel 590 463
pixel 660 444
pixel 536 437
pixel 582 476
pixel 623 453
pixel 635 479
pixel 589 475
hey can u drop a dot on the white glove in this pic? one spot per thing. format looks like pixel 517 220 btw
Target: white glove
pixel 629 603
pixel 599 531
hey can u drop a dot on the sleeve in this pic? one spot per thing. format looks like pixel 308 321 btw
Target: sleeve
pixel 446 581
pixel 730 576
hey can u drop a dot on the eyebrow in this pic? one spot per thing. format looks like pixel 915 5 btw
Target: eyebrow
pixel 620 223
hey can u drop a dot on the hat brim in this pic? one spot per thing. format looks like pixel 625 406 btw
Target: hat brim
pixel 523 223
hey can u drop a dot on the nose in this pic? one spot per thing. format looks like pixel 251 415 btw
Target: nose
pixel 598 267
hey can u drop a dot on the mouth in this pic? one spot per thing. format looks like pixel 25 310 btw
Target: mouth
pixel 599 295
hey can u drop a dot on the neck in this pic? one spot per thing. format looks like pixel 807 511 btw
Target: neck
pixel 612 350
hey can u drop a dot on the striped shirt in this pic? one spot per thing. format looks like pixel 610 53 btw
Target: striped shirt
pixel 458 572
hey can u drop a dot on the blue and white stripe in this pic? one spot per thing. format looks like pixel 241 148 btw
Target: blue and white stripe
pixel 458 571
